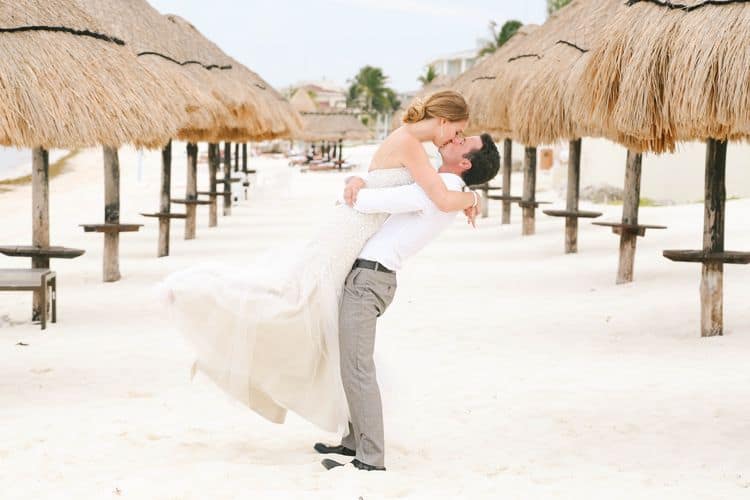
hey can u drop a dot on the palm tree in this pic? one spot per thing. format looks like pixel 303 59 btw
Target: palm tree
pixel 369 92
pixel 429 75
pixel 498 39
pixel 553 5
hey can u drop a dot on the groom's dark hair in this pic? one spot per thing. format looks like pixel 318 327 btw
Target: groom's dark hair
pixel 485 162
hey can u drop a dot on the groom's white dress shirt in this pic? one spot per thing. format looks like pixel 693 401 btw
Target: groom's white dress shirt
pixel 414 220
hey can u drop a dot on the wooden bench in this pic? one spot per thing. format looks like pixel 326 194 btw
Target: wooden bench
pixel 43 281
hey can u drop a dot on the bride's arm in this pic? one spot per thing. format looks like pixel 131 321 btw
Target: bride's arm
pixel 425 175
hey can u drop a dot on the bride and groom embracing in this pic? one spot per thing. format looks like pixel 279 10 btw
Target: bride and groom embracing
pixel 295 330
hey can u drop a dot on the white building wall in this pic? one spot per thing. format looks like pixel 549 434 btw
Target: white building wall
pixel 677 177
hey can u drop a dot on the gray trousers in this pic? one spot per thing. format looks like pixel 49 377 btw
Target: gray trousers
pixel 366 296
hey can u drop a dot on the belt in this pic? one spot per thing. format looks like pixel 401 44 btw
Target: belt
pixel 371 264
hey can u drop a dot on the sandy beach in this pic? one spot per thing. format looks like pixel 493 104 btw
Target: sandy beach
pixel 508 369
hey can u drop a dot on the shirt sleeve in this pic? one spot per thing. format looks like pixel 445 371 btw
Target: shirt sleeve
pixel 393 200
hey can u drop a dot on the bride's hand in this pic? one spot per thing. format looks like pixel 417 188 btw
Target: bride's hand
pixel 353 186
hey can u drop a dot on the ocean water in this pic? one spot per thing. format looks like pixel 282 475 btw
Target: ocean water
pixel 12 162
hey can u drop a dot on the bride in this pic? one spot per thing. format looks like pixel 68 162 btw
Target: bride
pixel 268 334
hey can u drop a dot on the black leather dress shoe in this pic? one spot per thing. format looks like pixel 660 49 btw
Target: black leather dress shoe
pixel 363 466
pixel 331 464
pixel 324 449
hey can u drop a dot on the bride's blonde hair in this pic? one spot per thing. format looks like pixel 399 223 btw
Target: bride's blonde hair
pixel 446 104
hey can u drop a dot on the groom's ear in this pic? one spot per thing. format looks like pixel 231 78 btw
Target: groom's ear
pixel 465 164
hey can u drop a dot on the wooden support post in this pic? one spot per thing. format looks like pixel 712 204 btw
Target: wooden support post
pixel 529 192
pixel 484 202
pixel 237 157
pixel 227 177
pixel 164 199
pixel 191 190
pixel 341 149
pixel 111 265
pixel 507 167
pixel 630 203
pixel 712 276
pixel 244 157
pixel 574 186
pixel 213 170
pixel 40 217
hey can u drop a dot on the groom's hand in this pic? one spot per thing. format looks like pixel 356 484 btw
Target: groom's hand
pixel 353 185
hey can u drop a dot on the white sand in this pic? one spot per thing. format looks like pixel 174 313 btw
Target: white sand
pixel 509 370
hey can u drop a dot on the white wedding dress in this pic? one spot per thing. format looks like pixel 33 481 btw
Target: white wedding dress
pixel 268 334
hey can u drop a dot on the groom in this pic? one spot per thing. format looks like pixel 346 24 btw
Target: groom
pixel 371 284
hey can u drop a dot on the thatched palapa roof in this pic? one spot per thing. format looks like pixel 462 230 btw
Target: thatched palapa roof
pixel 477 82
pixel 147 34
pixel 672 71
pixel 543 107
pixel 259 112
pixel 66 82
pixel 302 102
pixel 332 127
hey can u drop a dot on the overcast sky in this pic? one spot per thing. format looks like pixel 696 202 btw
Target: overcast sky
pixel 291 40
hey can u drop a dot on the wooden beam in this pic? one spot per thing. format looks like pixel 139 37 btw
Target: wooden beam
pixel 227 177
pixel 237 157
pixel 571 204
pixel 529 192
pixel 630 203
pixel 191 190
pixel 40 218
pixel 507 167
pixel 111 264
pixel 213 170
pixel 164 196
pixel 244 157
pixel 712 275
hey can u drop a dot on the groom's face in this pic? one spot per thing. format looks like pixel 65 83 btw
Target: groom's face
pixel 454 153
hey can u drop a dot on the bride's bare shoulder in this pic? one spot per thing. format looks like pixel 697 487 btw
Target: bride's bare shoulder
pixel 399 146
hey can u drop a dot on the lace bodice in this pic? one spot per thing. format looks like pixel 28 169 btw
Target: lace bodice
pixel 342 237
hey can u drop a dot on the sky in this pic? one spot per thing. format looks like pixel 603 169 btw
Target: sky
pixel 287 41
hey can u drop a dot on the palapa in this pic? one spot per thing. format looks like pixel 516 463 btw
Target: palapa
pixel 543 107
pixel 476 83
pixel 68 83
pixel 332 127
pixel 671 71
pixel 147 34
pixel 259 112
pixel 302 102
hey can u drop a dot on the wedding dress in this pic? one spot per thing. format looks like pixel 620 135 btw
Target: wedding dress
pixel 268 334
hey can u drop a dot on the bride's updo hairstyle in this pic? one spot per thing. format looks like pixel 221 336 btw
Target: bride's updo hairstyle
pixel 446 104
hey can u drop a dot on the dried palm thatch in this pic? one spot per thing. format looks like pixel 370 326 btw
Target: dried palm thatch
pixel 477 83
pixel 332 127
pixel 302 102
pixel 146 33
pixel 669 72
pixel 258 111
pixel 543 106
pixel 66 82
